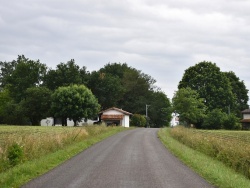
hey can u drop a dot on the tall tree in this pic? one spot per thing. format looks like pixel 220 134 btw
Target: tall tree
pixel 107 88
pixel 6 70
pixel 74 102
pixel 159 110
pixel 36 104
pixel 239 90
pixel 26 73
pixel 65 74
pixel 211 84
pixel 189 105
pixel 4 100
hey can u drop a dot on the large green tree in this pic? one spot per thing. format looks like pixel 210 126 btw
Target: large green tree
pixel 190 106
pixel 74 102
pixel 107 88
pixel 133 88
pixel 24 74
pixel 211 84
pixel 4 100
pixel 159 110
pixel 66 74
pixel 240 91
pixel 36 104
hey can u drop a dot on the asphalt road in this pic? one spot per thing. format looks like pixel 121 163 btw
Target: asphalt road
pixel 131 159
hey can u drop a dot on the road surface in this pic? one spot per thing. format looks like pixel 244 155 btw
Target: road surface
pixel 130 159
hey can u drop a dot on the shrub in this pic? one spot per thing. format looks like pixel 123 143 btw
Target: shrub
pixel 231 122
pixel 214 119
pixel 138 120
pixel 15 154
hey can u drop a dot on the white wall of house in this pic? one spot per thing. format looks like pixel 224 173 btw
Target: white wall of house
pixel 47 122
pixel 246 116
pixel 112 112
pixel 125 121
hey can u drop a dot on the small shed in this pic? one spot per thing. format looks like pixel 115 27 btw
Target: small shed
pixel 246 119
pixel 115 116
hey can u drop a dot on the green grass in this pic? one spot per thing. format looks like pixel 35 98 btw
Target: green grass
pixel 29 169
pixel 209 168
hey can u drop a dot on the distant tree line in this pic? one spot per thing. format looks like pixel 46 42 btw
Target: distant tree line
pixel 30 91
pixel 210 99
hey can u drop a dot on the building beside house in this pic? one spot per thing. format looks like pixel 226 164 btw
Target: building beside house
pixel 50 121
pixel 111 116
pixel 115 116
pixel 246 119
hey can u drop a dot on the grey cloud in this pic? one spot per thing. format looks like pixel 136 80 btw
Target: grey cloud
pixel 161 38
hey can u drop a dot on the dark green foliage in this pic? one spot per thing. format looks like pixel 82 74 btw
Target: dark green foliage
pixel 74 102
pixel 15 154
pixel 240 92
pixel 138 120
pixel 211 84
pixel 25 74
pixel 231 122
pixel 36 104
pixel 214 119
pixel 13 114
pixel 159 110
pixel 65 75
pixel 107 88
pixel 189 105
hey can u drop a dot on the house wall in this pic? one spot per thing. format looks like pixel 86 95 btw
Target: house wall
pixel 47 122
pixel 50 122
pixel 125 121
pixel 112 112
pixel 246 116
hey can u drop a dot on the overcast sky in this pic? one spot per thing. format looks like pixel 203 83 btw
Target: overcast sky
pixel 161 38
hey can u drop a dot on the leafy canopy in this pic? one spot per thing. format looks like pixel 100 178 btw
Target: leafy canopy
pixel 211 85
pixel 74 102
pixel 189 105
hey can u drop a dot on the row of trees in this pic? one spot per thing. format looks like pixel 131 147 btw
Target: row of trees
pixel 31 91
pixel 209 98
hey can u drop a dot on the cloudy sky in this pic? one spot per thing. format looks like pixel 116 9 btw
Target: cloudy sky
pixel 161 38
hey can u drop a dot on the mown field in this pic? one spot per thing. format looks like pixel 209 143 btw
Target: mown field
pixel 230 147
pixel 27 151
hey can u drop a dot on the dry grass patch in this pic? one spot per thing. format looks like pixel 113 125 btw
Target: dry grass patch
pixel 25 143
pixel 230 147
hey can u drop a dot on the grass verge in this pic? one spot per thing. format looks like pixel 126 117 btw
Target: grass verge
pixel 210 169
pixel 22 173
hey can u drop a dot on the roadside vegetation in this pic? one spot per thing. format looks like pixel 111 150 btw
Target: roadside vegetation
pixel 26 152
pixel 221 157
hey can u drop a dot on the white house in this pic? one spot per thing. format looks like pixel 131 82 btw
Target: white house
pixel 115 116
